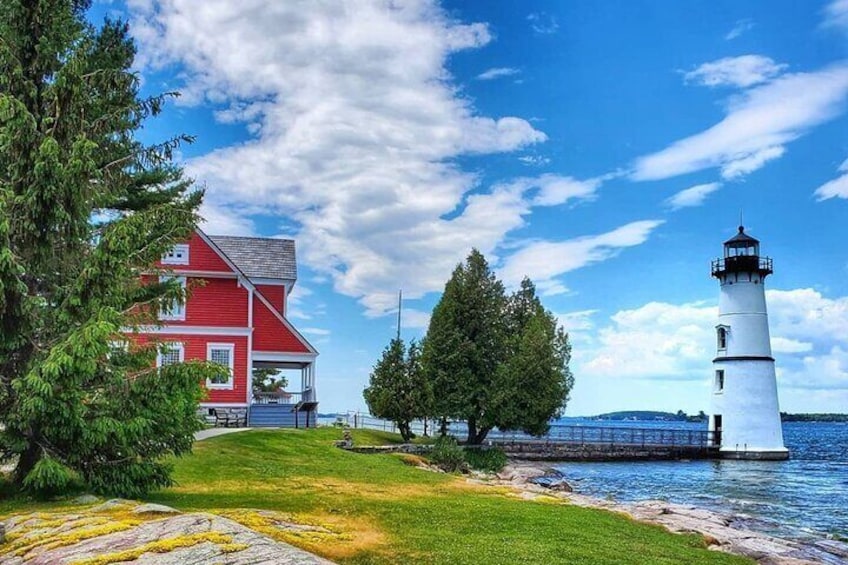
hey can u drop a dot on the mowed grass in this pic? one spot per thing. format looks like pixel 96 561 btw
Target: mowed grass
pixel 384 511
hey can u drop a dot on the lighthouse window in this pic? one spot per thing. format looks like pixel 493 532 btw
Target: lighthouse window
pixel 722 338
pixel 719 380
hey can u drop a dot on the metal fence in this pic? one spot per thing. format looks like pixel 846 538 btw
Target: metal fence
pixel 558 433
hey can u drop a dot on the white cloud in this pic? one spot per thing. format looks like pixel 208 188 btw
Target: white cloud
pixel 534 160
pixel 742 71
pixel 662 341
pixel 693 196
pixel 497 72
pixel 741 27
pixel 543 23
pixel 751 162
pixel 544 261
pixel 786 345
pixel 579 321
pixel 836 188
pixel 415 319
pixel 357 126
pixel 758 124
pixel 218 221
pixel 836 15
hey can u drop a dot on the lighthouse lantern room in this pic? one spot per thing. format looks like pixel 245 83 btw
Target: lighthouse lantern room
pixel 745 415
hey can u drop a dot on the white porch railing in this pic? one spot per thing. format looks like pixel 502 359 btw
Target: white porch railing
pixel 283 397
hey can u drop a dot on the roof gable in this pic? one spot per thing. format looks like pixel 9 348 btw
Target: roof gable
pixel 258 257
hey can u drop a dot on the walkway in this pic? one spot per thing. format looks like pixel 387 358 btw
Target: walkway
pixel 213 432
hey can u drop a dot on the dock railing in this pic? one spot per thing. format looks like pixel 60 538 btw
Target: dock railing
pixel 558 433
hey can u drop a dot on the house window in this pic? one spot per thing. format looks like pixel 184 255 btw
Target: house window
pixel 719 380
pixel 170 354
pixel 178 255
pixel 222 354
pixel 722 338
pixel 174 310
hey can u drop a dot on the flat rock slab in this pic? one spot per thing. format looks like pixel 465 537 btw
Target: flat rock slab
pixel 126 532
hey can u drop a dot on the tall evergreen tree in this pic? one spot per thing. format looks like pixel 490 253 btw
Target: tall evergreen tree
pixel 495 362
pixel 397 389
pixel 465 345
pixel 85 212
pixel 533 383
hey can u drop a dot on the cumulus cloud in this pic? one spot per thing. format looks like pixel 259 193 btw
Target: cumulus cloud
pixel 676 342
pixel 741 26
pixel 356 130
pixel 758 125
pixel 836 188
pixel 544 261
pixel 742 71
pixel 693 196
pixel 497 72
pixel 836 15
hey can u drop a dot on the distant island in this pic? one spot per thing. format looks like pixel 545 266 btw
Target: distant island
pixel 786 417
pixel 651 415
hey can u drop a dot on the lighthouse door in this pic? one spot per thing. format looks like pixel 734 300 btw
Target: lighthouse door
pixel 717 430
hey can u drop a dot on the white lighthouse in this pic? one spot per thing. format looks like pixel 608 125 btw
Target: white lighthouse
pixel 745 416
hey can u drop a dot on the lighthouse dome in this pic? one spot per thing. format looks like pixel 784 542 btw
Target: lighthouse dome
pixel 741 256
pixel 741 244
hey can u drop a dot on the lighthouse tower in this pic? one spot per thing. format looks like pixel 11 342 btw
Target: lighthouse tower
pixel 745 417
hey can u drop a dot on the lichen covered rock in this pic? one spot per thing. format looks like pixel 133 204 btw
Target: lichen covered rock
pixel 125 531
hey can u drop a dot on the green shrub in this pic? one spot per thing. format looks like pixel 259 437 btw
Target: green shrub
pixel 490 460
pixel 447 455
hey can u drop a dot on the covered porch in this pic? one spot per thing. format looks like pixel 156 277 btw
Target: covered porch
pixel 283 392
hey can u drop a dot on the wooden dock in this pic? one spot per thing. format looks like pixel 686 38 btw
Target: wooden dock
pixel 607 443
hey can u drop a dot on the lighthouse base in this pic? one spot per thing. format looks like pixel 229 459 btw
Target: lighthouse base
pixel 770 455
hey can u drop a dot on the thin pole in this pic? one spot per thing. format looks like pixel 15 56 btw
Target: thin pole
pixel 400 304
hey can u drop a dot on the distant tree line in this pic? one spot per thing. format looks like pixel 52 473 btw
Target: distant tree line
pixel 489 359
pixel 652 415
pixel 786 417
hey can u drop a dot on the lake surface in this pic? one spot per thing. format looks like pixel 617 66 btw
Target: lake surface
pixel 806 496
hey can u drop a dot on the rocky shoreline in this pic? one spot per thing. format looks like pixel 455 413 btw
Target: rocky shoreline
pixel 723 532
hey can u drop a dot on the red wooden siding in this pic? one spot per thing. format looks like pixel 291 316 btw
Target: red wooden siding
pixel 276 295
pixel 215 302
pixel 270 334
pixel 194 347
pixel 201 258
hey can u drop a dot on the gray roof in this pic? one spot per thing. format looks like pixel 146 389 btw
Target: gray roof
pixel 260 257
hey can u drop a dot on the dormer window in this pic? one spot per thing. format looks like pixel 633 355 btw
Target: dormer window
pixel 178 255
pixel 721 337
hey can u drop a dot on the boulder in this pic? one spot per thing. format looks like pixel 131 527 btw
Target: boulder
pixel 150 508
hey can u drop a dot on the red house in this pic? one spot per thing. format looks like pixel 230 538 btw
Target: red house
pixel 236 316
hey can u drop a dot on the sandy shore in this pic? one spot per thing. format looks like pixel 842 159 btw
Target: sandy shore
pixel 723 532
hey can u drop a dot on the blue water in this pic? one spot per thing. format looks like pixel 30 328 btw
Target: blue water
pixel 806 496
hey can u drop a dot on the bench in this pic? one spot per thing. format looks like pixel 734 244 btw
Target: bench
pixel 230 417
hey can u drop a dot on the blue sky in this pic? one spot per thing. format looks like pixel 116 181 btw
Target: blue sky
pixel 605 149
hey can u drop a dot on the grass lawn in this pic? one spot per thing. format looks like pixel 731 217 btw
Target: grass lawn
pixel 379 510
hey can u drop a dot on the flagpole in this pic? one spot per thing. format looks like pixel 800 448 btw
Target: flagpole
pixel 400 303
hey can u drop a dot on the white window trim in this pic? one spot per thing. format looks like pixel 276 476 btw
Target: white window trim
pixel 171 258
pixel 726 330
pixel 172 345
pixel 718 383
pixel 179 315
pixel 232 349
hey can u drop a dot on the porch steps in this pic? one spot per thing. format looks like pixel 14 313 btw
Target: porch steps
pixel 278 416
